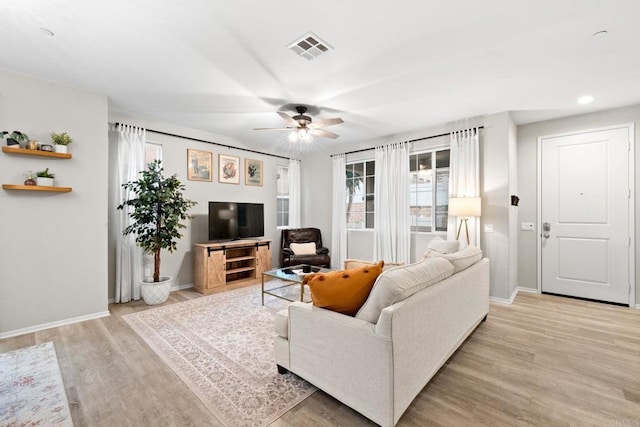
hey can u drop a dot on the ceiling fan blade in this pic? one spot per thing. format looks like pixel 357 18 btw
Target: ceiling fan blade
pixel 287 118
pixel 324 133
pixel 327 122
pixel 273 128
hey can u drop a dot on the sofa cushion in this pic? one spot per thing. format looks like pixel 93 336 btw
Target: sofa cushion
pixel 462 259
pixel 343 291
pixel 443 246
pixel 355 263
pixel 282 323
pixel 399 283
pixel 303 248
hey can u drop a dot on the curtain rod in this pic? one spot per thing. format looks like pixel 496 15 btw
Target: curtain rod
pixel 412 140
pixel 210 142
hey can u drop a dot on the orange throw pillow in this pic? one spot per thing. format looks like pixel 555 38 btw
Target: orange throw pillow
pixel 343 291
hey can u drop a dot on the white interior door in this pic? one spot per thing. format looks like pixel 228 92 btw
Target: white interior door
pixel 585 208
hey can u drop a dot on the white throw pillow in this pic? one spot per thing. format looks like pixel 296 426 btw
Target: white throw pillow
pixel 303 248
pixel 443 246
pixel 461 259
pixel 400 283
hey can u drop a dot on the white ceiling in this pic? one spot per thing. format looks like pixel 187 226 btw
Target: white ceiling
pixel 224 66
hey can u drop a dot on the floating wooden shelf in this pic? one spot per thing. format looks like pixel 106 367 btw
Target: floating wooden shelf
pixel 24 151
pixel 36 188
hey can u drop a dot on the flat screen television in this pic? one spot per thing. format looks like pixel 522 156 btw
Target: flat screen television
pixel 232 221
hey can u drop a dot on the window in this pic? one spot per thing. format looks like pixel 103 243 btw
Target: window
pixel 152 152
pixel 427 192
pixel 282 205
pixel 360 186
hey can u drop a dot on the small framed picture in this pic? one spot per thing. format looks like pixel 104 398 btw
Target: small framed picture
pixel 199 165
pixel 253 172
pixel 228 169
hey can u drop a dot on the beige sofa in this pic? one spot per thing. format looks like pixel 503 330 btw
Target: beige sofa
pixel 377 365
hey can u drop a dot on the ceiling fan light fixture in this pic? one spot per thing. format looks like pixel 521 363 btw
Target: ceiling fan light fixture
pixel 293 136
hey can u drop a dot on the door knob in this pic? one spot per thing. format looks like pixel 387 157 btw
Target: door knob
pixel 546 228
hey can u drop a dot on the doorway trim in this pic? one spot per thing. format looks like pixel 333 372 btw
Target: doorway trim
pixel 631 213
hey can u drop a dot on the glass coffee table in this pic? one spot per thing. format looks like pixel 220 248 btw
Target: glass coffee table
pixel 289 277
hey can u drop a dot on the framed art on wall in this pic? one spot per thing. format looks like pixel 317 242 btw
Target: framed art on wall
pixel 199 165
pixel 253 172
pixel 228 169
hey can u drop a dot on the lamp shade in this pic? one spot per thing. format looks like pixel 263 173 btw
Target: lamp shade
pixel 464 206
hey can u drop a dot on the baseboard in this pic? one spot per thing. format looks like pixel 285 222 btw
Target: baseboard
pixel 44 326
pixel 505 300
pixel 528 290
pixel 637 306
pixel 181 287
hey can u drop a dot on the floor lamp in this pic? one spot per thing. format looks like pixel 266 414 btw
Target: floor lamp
pixel 463 208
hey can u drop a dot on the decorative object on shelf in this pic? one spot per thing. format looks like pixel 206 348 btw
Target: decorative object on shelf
pixel 253 172
pixel 60 141
pixel 45 178
pixel 32 144
pixel 156 207
pixel 228 169
pixel 16 139
pixel 199 165
pixel 46 147
pixel 29 180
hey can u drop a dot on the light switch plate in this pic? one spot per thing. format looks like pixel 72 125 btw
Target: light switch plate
pixel 527 226
pixel 488 228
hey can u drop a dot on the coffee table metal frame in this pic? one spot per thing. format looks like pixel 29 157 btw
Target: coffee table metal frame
pixel 288 280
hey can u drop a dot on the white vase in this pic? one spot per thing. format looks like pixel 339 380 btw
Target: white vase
pixel 154 293
pixel 60 148
pixel 44 182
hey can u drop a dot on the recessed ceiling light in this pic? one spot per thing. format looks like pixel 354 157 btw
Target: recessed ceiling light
pixel 46 31
pixel 585 99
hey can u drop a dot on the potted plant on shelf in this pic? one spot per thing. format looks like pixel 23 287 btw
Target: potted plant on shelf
pixel 60 141
pixel 16 139
pixel 45 178
pixel 157 208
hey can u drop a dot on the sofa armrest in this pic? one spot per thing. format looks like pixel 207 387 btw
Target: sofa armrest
pixel 287 251
pixel 322 251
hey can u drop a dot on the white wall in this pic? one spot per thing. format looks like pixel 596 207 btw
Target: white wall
pixel 528 178
pixel 179 264
pixel 513 210
pixel 54 245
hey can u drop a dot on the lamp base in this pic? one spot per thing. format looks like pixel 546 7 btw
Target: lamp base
pixel 466 227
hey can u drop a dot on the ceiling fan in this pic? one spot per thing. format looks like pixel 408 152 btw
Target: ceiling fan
pixel 302 126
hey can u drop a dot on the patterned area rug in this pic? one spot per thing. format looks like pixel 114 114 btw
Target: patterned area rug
pixel 31 388
pixel 221 346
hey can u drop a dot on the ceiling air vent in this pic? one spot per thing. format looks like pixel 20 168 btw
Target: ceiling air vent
pixel 309 46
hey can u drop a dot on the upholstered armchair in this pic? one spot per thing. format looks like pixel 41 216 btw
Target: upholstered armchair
pixel 296 248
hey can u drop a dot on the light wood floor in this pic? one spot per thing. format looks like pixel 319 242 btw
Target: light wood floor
pixel 543 361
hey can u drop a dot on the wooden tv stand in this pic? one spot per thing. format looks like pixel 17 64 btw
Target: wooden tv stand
pixel 219 264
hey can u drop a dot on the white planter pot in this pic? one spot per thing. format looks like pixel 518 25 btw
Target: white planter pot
pixel 44 182
pixel 60 148
pixel 154 293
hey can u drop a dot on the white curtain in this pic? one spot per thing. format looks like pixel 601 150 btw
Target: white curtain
pixel 392 228
pixel 294 193
pixel 339 214
pixel 129 257
pixel 464 180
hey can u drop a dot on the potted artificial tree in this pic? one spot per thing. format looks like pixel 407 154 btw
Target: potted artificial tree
pixel 157 207
pixel 60 141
